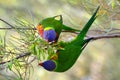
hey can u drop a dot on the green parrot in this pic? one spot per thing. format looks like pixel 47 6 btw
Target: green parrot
pixel 50 28
pixel 70 51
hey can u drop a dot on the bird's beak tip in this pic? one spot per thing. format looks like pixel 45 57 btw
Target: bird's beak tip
pixel 38 27
pixel 40 64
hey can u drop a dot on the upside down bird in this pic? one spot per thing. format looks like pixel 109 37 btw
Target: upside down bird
pixel 50 28
pixel 67 56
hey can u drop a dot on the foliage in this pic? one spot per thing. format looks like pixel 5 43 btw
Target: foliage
pixel 21 42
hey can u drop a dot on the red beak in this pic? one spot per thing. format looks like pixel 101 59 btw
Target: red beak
pixel 40 64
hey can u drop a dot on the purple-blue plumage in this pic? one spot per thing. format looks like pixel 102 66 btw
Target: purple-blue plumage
pixel 48 65
pixel 49 35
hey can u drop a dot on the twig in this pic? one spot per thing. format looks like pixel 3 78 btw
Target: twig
pixel 105 36
pixel 7 23
pixel 18 28
pixel 17 57
pixel 12 27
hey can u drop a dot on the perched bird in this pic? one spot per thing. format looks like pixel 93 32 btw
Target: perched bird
pixel 50 28
pixel 67 56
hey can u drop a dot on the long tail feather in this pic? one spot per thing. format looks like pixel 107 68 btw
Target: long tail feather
pixel 88 25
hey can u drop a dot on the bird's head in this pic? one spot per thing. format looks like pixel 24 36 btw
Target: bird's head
pixel 48 65
pixel 49 28
pixel 49 34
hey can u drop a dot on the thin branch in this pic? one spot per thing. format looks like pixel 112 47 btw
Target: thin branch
pixel 13 27
pixel 105 36
pixel 7 23
pixel 18 28
pixel 17 57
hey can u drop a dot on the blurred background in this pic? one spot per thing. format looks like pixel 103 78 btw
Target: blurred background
pixel 99 60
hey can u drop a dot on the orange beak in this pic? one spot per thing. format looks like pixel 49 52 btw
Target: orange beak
pixel 38 27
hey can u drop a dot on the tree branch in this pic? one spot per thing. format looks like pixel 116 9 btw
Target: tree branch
pixel 17 57
pixel 7 23
pixel 105 36
pixel 13 27
pixel 18 28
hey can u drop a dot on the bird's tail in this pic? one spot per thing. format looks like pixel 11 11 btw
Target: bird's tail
pixel 86 42
pixel 88 25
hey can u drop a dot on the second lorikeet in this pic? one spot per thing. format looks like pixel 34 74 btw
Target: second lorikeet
pixel 67 56
pixel 50 28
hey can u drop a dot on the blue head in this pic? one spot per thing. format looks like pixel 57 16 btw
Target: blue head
pixel 49 34
pixel 48 65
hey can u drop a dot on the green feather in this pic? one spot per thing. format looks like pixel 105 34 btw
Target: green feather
pixel 68 56
pixel 66 28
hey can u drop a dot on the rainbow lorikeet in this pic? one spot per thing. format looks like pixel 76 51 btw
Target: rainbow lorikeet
pixel 50 28
pixel 67 56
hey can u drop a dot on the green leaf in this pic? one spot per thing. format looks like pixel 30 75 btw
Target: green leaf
pixel 9 65
pixel 113 4
pixel 17 63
